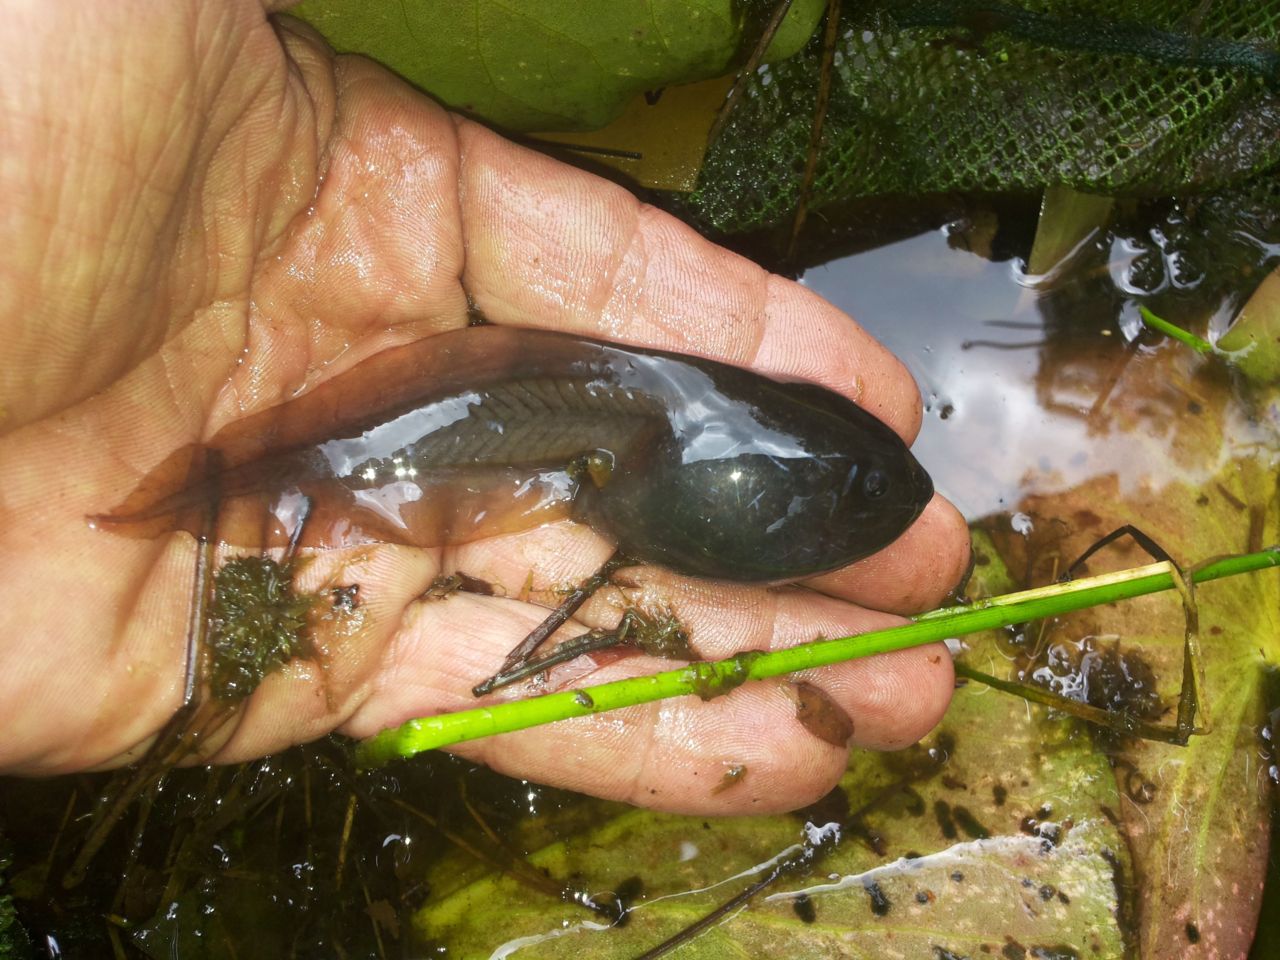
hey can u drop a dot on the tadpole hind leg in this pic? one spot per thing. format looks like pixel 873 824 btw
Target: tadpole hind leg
pixel 1191 699
pixel 512 667
pixel 570 649
pixel 1142 539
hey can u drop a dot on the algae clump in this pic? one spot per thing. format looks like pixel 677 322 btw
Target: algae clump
pixel 258 623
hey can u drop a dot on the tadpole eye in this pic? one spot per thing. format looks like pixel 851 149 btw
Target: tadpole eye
pixel 875 484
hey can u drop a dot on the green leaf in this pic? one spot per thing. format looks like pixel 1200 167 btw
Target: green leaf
pixel 1254 337
pixel 1067 219
pixel 1196 817
pixel 934 886
pixel 562 65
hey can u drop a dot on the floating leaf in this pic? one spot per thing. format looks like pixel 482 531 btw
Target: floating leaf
pixel 1196 817
pixel 996 847
pixel 1067 218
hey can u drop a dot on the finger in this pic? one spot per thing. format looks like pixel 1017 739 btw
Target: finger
pixel 555 247
pixel 893 700
pixel 723 619
pixel 373 259
pixel 672 755
pixel 895 579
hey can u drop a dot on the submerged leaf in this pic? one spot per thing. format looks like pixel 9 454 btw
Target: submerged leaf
pixel 1195 817
pixel 994 848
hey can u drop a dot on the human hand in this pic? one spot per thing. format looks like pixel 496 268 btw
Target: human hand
pixel 208 213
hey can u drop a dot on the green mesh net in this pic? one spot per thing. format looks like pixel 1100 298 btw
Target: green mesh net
pixel 1126 97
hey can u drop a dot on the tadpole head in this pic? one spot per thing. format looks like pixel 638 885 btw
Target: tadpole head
pixel 883 495
pixel 764 518
pixel 759 481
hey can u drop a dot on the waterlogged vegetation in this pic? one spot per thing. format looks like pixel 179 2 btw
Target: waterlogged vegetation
pixel 1120 424
pixel 258 623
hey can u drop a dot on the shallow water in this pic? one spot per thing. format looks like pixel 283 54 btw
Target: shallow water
pixel 1016 401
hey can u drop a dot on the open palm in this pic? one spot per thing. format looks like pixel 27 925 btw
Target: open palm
pixel 207 213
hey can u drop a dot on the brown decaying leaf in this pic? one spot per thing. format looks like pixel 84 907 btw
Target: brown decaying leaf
pixel 819 714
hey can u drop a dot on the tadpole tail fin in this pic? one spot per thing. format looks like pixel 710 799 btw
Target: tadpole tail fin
pixel 175 495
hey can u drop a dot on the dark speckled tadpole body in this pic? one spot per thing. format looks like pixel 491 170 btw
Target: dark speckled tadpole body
pixel 704 468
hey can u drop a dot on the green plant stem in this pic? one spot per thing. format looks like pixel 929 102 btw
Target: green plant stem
pixel 1170 330
pixel 710 678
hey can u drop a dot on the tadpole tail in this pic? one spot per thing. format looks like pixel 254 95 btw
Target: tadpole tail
pixel 173 496
pixel 178 493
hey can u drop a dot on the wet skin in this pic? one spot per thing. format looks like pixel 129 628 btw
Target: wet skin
pixel 237 216
pixel 701 467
